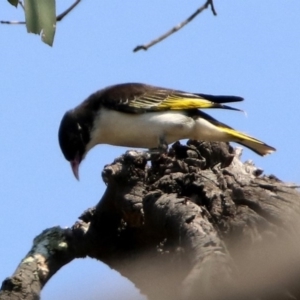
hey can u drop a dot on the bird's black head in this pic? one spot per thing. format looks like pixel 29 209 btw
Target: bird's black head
pixel 73 136
pixel 70 136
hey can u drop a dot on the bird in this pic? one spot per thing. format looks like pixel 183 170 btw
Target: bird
pixel 144 116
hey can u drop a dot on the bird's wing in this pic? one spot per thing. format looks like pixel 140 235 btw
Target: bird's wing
pixel 140 98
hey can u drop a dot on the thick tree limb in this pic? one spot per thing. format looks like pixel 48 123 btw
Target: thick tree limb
pixel 197 224
pixel 178 27
pixel 50 251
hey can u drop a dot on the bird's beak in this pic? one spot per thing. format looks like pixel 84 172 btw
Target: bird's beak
pixel 75 166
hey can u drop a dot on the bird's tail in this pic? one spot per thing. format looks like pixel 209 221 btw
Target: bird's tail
pixel 232 135
pixel 250 142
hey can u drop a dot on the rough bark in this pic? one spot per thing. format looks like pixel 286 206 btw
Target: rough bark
pixel 195 224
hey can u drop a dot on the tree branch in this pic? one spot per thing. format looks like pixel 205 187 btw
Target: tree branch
pixel 196 224
pixel 178 27
pixel 22 5
pixel 36 268
pixel 51 250
pixel 58 18
pixel 63 14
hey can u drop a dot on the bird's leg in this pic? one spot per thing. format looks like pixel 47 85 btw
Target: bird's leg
pixel 162 148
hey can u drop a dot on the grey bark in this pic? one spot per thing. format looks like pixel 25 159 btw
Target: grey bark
pixel 195 224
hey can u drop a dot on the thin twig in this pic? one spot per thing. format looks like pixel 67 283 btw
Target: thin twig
pixel 13 22
pixel 58 18
pixel 63 14
pixel 212 7
pixel 22 5
pixel 178 27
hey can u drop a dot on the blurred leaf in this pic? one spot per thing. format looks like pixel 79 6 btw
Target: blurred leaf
pixel 14 2
pixel 41 18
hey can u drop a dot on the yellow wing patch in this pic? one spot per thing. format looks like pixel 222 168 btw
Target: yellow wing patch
pixel 174 102
pixel 162 100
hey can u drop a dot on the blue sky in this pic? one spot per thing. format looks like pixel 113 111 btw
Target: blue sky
pixel 251 49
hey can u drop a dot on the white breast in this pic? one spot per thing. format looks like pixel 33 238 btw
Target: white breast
pixel 140 130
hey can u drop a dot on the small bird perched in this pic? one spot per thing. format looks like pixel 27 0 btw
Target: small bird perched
pixel 144 116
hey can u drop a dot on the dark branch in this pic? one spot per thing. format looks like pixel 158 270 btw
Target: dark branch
pixel 58 18
pixel 13 22
pixel 178 27
pixel 212 7
pixel 63 14
pixel 197 221
pixel 21 4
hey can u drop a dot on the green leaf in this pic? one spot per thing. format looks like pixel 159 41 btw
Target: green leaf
pixel 14 2
pixel 41 18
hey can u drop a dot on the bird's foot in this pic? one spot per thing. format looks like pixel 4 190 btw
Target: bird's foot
pixel 156 153
pixel 153 154
pixel 162 146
